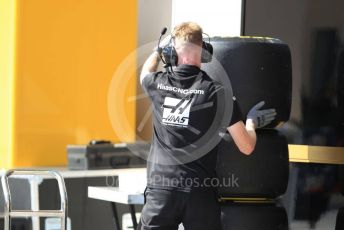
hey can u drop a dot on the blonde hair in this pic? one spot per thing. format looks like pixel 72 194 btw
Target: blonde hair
pixel 189 32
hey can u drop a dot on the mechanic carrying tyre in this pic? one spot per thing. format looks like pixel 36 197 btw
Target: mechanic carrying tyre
pixel 187 113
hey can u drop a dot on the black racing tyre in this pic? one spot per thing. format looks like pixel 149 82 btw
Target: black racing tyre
pixel 259 69
pixel 253 217
pixel 263 174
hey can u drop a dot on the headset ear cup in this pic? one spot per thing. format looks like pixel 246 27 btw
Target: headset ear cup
pixel 174 56
pixel 210 51
pixel 169 54
pixel 207 52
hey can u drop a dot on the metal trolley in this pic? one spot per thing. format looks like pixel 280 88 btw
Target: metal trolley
pixel 9 213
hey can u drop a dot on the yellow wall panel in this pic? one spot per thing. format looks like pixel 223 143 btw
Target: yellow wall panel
pixel 66 54
pixel 7 68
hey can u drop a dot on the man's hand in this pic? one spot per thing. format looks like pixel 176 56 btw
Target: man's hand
pixel 244 135
pixel 261 118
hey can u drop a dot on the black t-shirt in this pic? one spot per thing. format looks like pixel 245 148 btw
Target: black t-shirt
pixel 184 108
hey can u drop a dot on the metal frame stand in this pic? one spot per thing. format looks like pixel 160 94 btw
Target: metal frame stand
pixel 36 213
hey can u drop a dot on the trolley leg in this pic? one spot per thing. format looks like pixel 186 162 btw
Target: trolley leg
pixel 7 223
pixel 133 215
pixel 7 202
pixel 115 216
pixel 34 195
pixel 63 223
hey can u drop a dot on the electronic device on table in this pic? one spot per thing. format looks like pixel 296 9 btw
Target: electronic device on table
pixel 102 154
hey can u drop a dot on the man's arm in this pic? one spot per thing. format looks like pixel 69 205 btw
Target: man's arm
pixel 150 65
pixel 245 137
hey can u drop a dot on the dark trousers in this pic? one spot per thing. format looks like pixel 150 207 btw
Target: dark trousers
pixel 166 209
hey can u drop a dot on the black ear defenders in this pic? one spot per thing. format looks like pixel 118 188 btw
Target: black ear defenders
pixel 169 54
pixel 207 50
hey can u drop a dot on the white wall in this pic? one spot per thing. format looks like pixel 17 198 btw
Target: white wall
pixel 216 17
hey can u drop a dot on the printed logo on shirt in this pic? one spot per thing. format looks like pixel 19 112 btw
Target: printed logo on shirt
pixel 176 111
pixel 179 90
